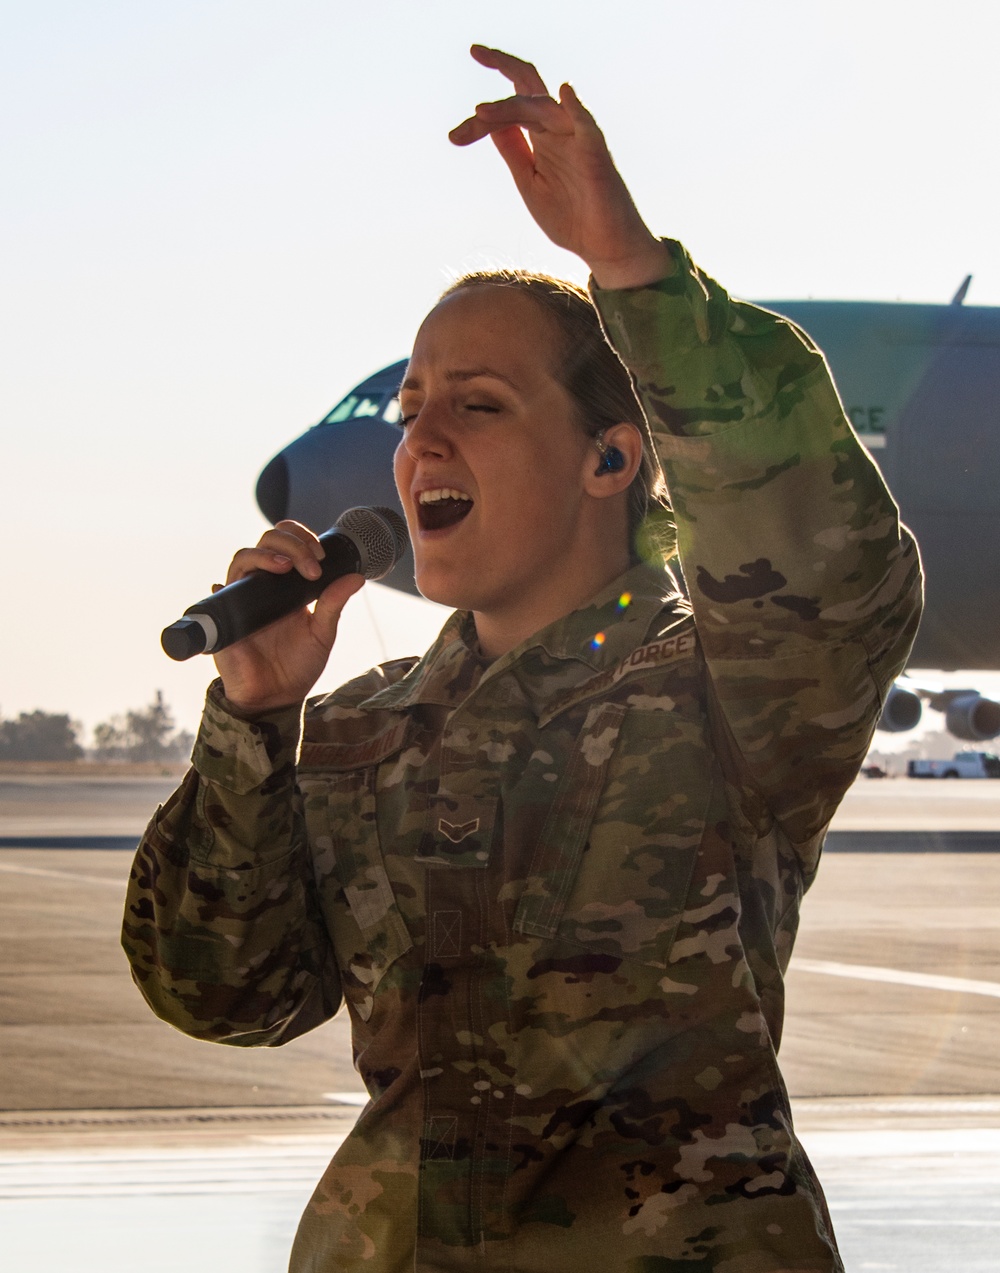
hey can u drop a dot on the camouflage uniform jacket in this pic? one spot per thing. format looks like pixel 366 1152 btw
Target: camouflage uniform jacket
pixel 558 891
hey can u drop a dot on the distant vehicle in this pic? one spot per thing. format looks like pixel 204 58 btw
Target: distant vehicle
pixel 920 383
pixel 874 771
pixel 964 764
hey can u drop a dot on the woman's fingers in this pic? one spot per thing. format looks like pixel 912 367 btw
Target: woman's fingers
pixel 300 533
pixel 521 74
pixel 247 560
pixel 326 615
pixel 289 546
pixel 517 155
pixel 535 114
pixel 575 109
pixel 468 131
pixel 278 665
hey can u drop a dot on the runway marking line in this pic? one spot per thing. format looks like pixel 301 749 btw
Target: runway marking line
pixel 823 967
pixel 62 875
pixel 897 976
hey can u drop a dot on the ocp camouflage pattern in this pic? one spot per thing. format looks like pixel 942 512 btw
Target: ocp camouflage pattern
pixel 558 892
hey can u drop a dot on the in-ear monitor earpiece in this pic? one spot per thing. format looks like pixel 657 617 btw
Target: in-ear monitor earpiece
pixel 612 460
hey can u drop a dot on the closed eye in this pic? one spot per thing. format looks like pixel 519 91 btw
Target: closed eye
pixel 485 408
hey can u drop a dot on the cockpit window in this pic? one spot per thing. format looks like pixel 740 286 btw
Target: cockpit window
pixel 359 407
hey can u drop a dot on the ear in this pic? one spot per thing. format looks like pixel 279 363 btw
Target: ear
pixel 602 481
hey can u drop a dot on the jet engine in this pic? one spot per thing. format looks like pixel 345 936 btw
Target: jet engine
pixel 972 717
pixel 901 712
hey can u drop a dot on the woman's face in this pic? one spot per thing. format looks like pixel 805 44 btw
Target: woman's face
pixel 492 463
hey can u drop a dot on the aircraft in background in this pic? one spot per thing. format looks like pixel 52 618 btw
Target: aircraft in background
pixel 921 385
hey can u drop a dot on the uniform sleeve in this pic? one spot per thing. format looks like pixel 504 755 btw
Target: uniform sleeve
pixel 221 926
pixel 806 589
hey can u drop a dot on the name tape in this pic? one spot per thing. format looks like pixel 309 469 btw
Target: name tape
pixel 655 653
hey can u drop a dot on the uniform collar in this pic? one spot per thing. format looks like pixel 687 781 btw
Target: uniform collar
pixel 570 651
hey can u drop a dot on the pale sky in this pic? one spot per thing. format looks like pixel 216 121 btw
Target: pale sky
pixel 219 215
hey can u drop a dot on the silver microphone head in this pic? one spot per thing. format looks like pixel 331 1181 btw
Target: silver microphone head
pixel 380 536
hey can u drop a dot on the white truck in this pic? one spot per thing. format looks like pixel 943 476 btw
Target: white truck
pixel 964 764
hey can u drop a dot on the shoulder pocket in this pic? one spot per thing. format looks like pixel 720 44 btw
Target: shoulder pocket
pixel 367 930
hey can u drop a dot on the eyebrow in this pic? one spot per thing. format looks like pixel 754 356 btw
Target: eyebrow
pixel 473 373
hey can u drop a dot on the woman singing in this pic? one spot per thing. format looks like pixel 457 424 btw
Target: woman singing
pixel 554 866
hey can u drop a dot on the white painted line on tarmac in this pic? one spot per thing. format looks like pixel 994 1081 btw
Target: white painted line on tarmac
pixel 62 875
pixel 897 976
pixel 897 1222
pixel 165 1173
pixel 907 1143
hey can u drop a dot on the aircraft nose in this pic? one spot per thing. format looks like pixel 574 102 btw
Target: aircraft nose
pixel 272 489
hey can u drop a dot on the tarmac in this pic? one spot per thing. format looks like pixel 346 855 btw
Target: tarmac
pixel 890 1049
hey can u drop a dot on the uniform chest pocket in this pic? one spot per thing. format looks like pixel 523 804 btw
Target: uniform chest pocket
pixel 613 867
pixel 362 915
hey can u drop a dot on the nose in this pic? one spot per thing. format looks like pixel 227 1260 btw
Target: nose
pixel 427 435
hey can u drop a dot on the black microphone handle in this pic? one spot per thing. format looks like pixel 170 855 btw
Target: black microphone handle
pixel 256 600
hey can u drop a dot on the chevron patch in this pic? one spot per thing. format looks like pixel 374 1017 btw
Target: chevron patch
pixel 456 834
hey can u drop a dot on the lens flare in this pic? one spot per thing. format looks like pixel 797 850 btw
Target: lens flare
pixel 624 601
pixel 598 641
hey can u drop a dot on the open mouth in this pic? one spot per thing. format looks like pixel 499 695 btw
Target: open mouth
pixel 441 508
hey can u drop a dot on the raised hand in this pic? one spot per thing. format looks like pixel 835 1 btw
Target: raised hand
pixel 565 174
pixel 279 665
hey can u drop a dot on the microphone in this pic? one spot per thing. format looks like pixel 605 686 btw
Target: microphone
pixel 364 541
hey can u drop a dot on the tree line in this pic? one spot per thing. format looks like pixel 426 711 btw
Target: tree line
pixel 145 733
